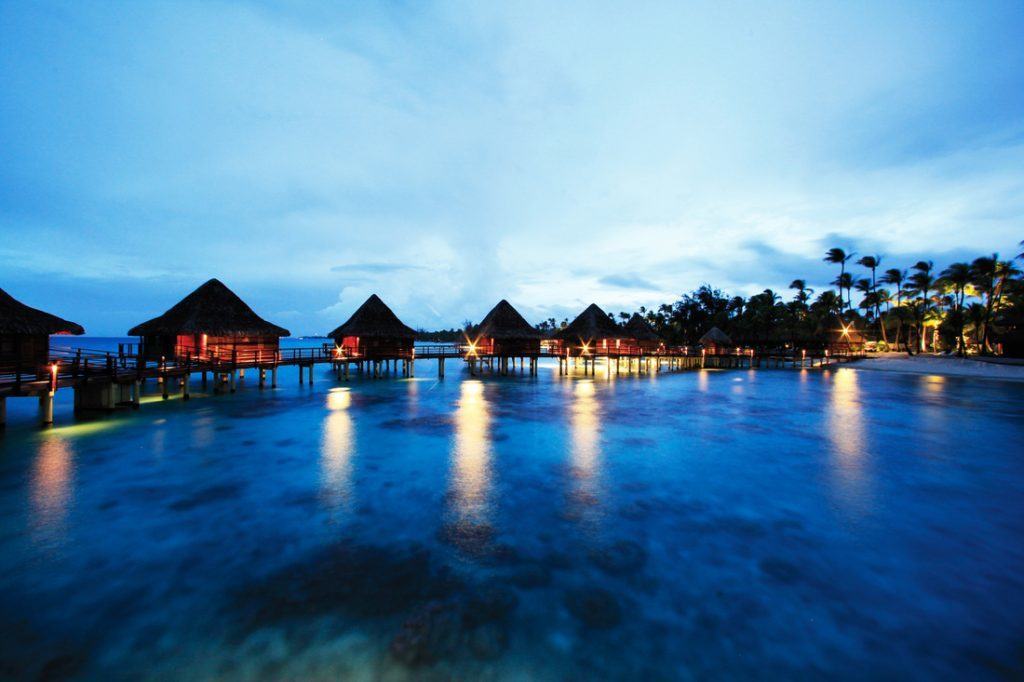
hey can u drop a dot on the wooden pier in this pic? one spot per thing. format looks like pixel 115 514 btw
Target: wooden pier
pixel 108 380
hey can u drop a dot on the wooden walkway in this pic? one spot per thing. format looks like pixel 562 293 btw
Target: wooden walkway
pixel 106 380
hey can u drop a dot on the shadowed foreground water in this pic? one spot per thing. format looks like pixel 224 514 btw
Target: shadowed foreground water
pixel 728 524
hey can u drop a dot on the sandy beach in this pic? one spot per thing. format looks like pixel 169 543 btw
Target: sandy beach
pixel 942 366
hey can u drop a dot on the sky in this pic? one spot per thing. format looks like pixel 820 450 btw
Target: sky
pixel 447 155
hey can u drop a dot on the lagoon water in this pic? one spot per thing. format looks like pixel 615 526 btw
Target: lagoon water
pixel 769 524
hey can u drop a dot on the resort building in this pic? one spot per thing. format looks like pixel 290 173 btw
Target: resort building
pixel 504 332
pixel 841 337
pixel 641 336
pixel 25 333
pixel 591 333
pixel 210 323
pixel 374 332
pixel 715 342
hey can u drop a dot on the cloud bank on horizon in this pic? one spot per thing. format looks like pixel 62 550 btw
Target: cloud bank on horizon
pixel 446 155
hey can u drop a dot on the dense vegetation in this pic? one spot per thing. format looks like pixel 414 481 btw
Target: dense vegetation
pixel 975 306
pixel 964 307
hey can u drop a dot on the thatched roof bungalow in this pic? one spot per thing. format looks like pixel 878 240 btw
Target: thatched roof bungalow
pixel 715 341
pixel 25 332
pixel 641 334
pixel 506 333
pixel 840 336
pixel 374 332
pixel 211 322
pixel 591 332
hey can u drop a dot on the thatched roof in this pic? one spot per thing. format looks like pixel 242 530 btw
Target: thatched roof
pixel 715 336
pixel 639 329
pixel 18 318
pixel 374 319
pixel 505 322
pixel 211 309
pixel 592 323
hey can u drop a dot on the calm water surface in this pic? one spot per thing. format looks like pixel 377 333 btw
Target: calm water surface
pixel 731 524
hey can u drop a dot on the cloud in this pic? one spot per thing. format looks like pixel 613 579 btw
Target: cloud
pixel 447 155
pixel 628 281
pixel 376 268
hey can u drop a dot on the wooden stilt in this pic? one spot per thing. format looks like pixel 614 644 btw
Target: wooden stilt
pixel 184 386
pixel 46 408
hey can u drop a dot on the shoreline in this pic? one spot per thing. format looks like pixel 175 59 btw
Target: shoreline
pixel 965 368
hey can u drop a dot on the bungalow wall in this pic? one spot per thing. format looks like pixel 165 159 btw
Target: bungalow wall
pixel 244 348
pixel 375 347
pixel 508 347
pixel 605 346
pixel 27 350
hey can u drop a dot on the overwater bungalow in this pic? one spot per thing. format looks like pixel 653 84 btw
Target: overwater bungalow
pixel 641 335
pixel 591 333
pixel 213 323
pixel 841 337
pixel 374 332
pixel 25 333
pixel 715 342
pixel 504 332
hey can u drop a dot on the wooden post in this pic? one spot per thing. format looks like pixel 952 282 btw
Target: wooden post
pixel 231 381
pixel 46 408
pixel 3 411
pixel 136 390
pixel 204 379
pixel 311 374
pixel 273 377
pixel 164 383
pixel 440 367
pixel 184 386
pixel 302 379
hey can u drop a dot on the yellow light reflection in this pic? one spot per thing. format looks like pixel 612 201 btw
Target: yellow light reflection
pixel 585 427
pixel 336 447
pixel 935 383
pixel 471 459
pixel 52 481
pixel 846 432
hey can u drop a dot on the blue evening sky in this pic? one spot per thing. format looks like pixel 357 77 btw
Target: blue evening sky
pixel 446 155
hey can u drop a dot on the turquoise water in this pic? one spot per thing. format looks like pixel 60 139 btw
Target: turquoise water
pixel 769 524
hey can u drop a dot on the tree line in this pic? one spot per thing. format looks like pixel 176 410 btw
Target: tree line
pixel 966 306
pixel 976 305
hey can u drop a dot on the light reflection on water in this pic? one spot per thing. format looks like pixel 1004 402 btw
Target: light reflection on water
pixel 585 451
pixel 471 454
pixel 52 483
pixel 724 517
pixel 846 431
pixel 336 449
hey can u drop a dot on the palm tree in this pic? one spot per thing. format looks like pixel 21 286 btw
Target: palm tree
pixel 958 277
pixel 882 296
pixel 872 263
pixel 844 281
pixel 897 277
pixel 837 255
pixel 923 282
pixel 976 314
pixel 863 285
pixel 803 292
